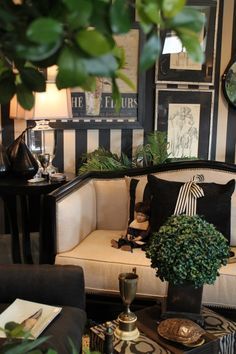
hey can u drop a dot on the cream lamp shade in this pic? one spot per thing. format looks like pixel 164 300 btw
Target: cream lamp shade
pixel 51 104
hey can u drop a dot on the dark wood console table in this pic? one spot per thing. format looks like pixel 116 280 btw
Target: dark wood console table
pixel 14 189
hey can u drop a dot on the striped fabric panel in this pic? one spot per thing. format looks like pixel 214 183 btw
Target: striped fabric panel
pixel 187 199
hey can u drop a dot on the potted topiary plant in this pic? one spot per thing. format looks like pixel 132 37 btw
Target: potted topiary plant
pixel 187 252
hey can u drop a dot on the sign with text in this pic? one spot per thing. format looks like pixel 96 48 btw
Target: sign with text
pixel 99 103
pixel 92 105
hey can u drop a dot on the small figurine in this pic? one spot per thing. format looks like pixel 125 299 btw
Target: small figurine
pixel 138 230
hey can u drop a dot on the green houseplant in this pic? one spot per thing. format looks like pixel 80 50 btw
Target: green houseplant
pixel 26 345
pixel 38 34
pixel 104 160
pixel 153 152
pixel 187 250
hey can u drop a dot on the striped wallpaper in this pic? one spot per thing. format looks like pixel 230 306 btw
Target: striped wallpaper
pixel 73 140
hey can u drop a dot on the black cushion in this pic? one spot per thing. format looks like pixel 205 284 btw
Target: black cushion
pixel 215 206
pixel 52 284
pixel 58 285
pixel 144 196
pixel 70 323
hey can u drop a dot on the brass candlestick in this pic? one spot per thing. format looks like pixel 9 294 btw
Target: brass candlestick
pixel 127 329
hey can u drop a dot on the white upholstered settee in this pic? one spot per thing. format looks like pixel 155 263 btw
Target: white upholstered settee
pixel 92 209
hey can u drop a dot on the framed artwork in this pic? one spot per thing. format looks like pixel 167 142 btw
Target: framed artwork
pixel 186 116
pixel 174 64
pixel 97 110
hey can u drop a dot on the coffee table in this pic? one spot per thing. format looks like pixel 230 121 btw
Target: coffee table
pixel 220 337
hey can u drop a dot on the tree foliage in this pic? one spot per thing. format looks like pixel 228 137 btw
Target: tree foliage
pixel 79 37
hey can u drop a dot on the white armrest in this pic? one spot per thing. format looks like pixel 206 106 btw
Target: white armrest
pixel 75 217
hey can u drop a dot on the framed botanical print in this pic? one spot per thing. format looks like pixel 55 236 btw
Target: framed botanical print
pixel 186 116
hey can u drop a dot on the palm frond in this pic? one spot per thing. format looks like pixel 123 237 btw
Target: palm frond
pixel 154 152
pixel 104 160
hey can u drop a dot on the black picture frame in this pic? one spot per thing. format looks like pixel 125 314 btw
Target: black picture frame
pixel 110 119
pixel 167 70
pixel 172 103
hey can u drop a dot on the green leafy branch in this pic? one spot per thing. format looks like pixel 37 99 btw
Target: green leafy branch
pixel 79 37
pixel 19 341
pixel 103 160
pixel 25 345
pixel 154 152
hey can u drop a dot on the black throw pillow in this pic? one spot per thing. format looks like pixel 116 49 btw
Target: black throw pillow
pixel 214 207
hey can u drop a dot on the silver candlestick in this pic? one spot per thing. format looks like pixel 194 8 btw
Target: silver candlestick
pixel 44 159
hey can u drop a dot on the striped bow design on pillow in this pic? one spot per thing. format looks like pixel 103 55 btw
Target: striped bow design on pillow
pixel 187 198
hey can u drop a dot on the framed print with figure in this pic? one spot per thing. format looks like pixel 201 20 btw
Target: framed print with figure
pixel 175 66
pixel 99 104
pixel 186 116
pixel 97 110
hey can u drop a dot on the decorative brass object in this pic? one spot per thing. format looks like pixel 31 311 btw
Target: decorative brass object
pixel 127 329
pixel 181 330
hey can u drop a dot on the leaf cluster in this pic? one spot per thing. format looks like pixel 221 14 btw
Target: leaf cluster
pixel 26 345
pixel 154 152
pixel 79 36
pixel 187 249
pixel 104 160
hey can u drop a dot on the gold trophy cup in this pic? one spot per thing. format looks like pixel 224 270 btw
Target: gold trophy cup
pixel 127 330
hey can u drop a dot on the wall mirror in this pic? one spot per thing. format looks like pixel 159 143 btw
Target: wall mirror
pixel 229 83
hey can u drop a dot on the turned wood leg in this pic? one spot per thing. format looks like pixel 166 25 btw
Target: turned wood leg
pixel 10 204
pixel 26 242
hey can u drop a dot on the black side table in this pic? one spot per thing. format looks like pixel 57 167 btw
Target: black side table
pixel 220 336
pixel 12 189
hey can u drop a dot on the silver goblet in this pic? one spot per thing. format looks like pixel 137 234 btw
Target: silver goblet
pixel 127 329
pixel 44 159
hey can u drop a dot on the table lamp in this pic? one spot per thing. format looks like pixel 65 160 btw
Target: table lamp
pixel 49 105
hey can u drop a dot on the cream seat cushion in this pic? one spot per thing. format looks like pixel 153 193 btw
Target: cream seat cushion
pixel 223 292
pixel 102 264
